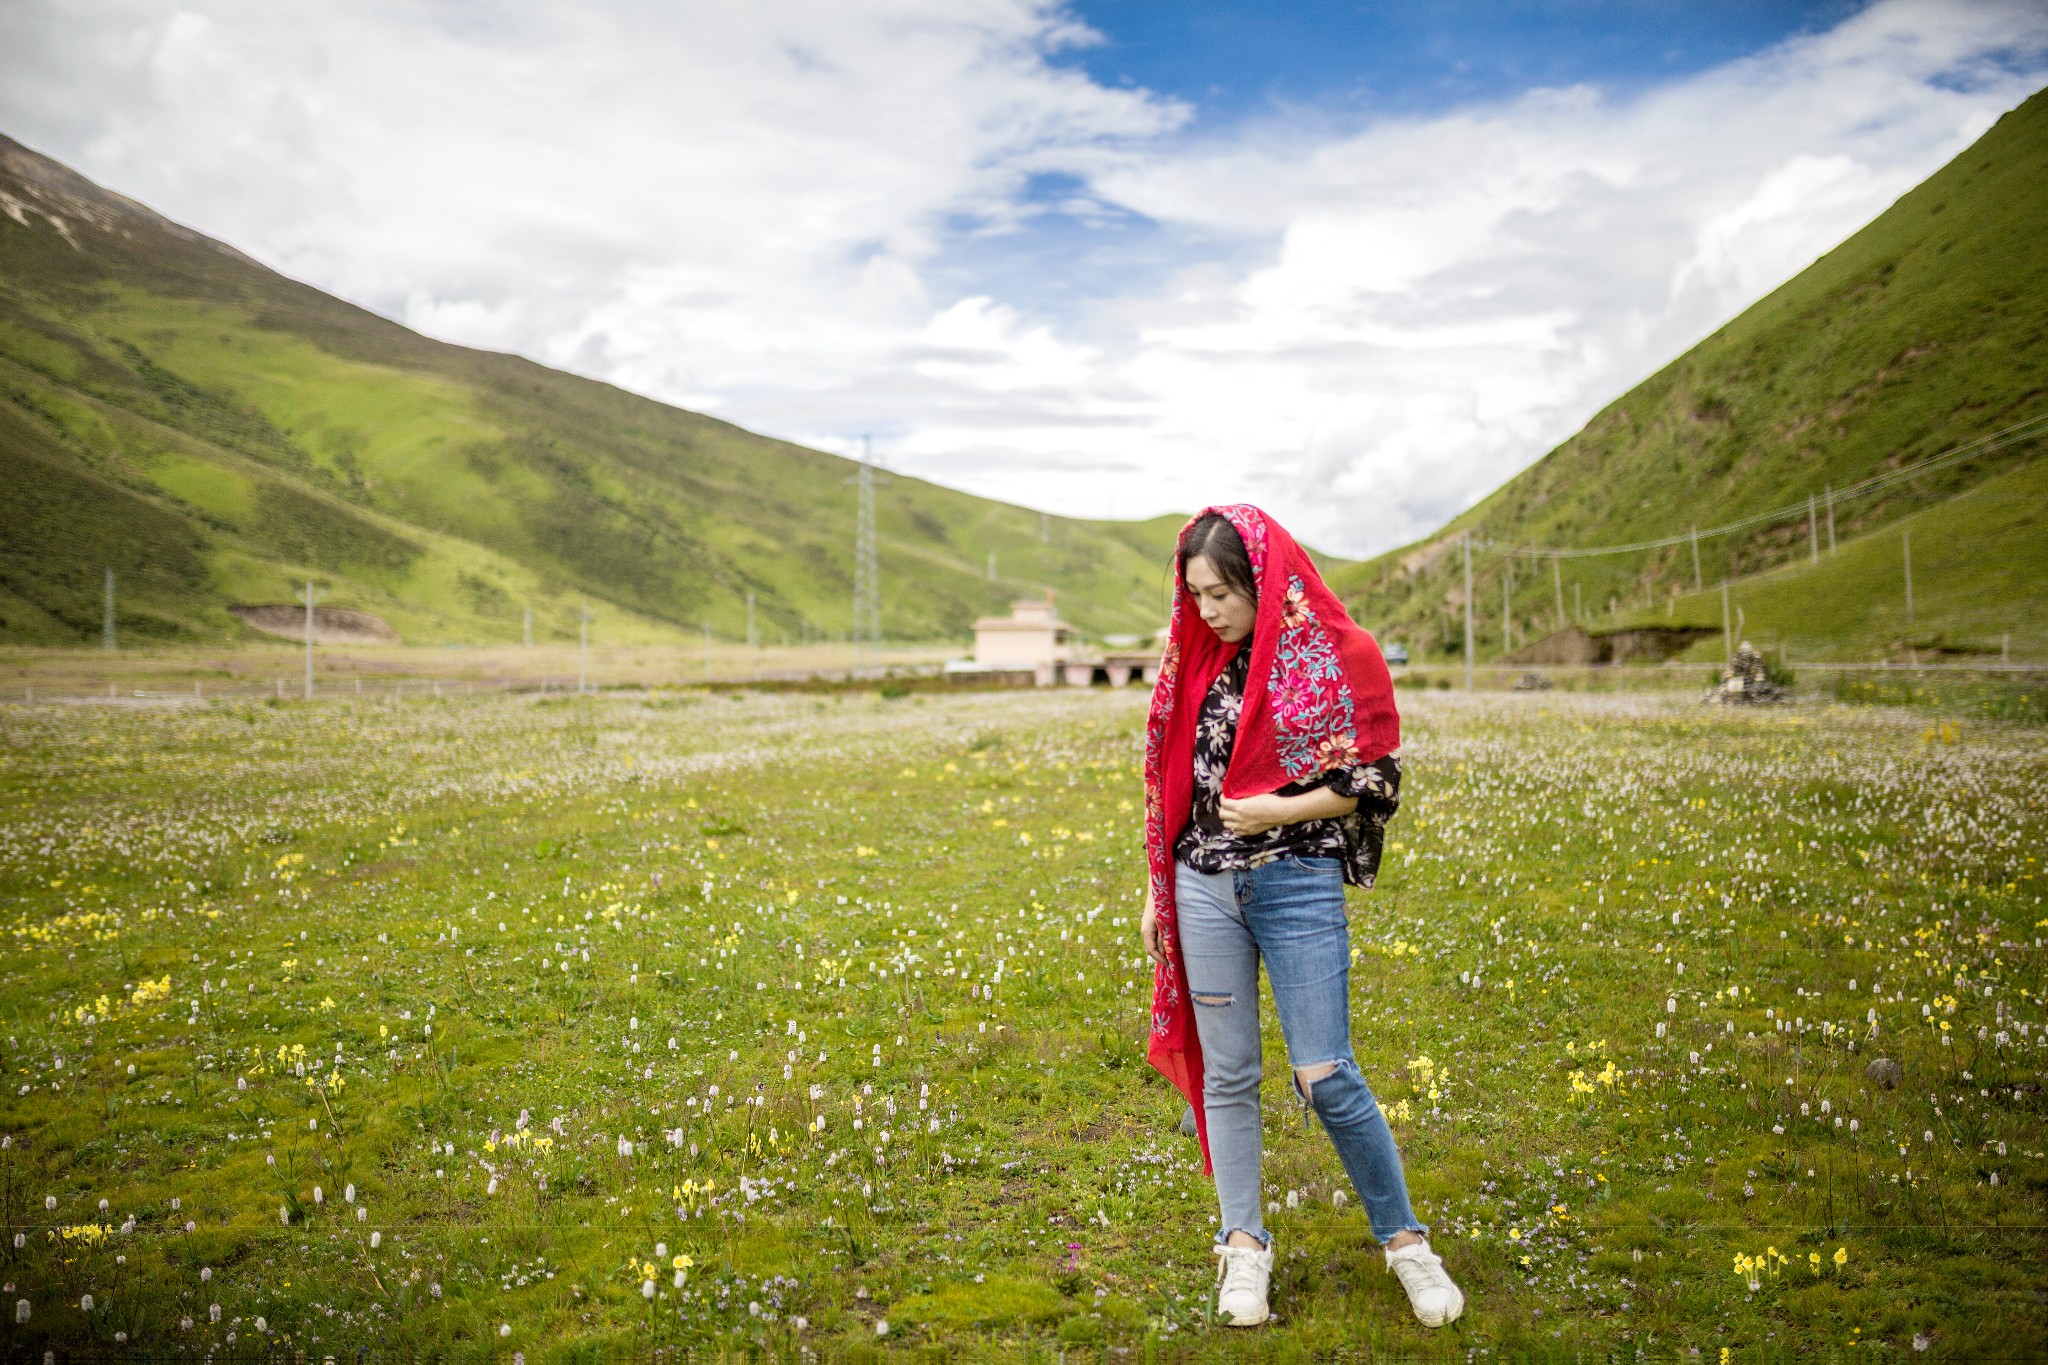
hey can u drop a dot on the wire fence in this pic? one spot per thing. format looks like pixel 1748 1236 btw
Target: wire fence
pixel 1631 601
pixel 2025 430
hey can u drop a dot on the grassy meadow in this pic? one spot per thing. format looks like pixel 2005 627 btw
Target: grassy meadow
pixel 810 1026
pixel 277 667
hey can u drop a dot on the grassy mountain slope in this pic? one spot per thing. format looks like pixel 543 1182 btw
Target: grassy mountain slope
pixel 217 433
pixel 1979 560
pixel 1923 331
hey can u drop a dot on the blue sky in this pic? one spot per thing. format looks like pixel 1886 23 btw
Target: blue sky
pixel 1333 66
pixel 1358 263
pixel 1352 61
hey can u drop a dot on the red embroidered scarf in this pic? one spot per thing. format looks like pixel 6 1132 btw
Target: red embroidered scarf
pixel 1317 696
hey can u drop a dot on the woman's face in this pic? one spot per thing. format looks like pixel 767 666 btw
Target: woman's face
pixel 1228 612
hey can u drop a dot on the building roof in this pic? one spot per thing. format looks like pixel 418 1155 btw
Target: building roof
pixel 1012 623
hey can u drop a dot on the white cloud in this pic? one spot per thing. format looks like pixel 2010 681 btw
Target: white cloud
pixel 1446 298
pixel 783 215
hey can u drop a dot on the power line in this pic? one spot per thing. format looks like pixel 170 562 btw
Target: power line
pixel 2020 431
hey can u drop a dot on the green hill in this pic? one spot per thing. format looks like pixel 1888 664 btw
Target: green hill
pixel 216 433
pixel 1979 561
pixel 1924 331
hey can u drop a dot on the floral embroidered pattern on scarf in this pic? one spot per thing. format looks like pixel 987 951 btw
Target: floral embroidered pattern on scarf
pixel 1310 699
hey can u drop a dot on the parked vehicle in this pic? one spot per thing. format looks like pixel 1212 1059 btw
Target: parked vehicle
pixel 1394 654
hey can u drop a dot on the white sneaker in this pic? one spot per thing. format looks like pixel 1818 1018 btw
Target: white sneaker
pixel 1435 1299
pixel 1242 1276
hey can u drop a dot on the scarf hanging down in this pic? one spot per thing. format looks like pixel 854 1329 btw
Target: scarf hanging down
pixel 1317 696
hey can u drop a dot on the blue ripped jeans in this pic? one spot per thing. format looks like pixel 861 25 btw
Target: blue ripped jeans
pixel 1289 912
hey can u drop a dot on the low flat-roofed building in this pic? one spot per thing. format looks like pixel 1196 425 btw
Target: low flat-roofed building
pixel 1032 636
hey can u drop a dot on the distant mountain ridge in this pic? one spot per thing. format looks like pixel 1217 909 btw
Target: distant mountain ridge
pixel 1923 331
pixel 215 433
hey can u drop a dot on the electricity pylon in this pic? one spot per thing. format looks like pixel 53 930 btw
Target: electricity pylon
pixel 867 573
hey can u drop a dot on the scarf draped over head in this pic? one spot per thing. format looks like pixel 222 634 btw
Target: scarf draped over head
pixel 1317 696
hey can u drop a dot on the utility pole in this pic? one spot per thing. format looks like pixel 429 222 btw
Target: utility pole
pixel 308 597
pixel 583 619
pixel 1578 607
pixel 753 640
pixel 1507 604
pixel 1906 544
pixel 1557 581
pixel 1813 527
pixel 1831 520
pixel 991 566
pixel 1727 627
pixel 528 631
pixel 107 624
pixel 1696 584
pixel 1468 611
pixel 1044 529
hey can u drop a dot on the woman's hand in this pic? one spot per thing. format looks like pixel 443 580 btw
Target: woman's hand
pixel 1148 931
pixel 1256 814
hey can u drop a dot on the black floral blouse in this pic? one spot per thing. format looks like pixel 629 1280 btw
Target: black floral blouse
pixel 1355 840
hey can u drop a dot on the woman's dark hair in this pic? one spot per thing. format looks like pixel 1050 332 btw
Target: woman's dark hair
pixel 1213 538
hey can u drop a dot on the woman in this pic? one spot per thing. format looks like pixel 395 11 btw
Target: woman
pixel 1269 777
